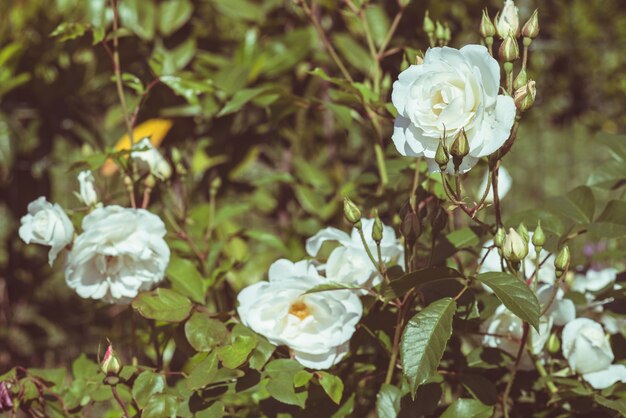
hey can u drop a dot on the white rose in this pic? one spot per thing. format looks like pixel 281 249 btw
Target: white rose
pixel 317 327
pixel 349 263
pixel 586 346
pixel 120 253
pixel 144 152
pixel 507 22
pixel 87 193
pixel 594 280
pixel 452 90
pixel 504 185
pixel 546 270
pixel 46 224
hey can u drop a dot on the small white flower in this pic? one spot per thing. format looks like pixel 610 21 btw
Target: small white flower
pixel 594 280
pixel 349 263
pixel 120 253
pixel 504 185
pixel 546 270
pixel 317 327
pixel 452 90
pixel 507 22
pixel 144 152
pixel 46 224
pixel 87 193
pixel 586 346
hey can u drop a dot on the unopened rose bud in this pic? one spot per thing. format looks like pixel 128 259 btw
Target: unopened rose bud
pixel 411 228
pixel 507 21
pixel 447 33
pixel 428 25
pixel 553 344
pixel 562 261
pixel 440 32
pixel 440 220
pixel 441 156
pixel 509 50
pixel 377 229
pixel 487 29
pixel 523 231
pixel 531 27
pixel 521 80
pixel 459 148
pixel 515 247
pixel 539 238
pixel 351 211
pixel 524 97
pixel 216 183
pixel 111 364
pixel 499 238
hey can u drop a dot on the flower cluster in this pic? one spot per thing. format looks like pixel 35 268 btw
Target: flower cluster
pixel 120 252
pixel 318 326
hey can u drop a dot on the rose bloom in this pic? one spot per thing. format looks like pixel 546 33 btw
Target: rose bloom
pixel 452 90
pixel 120 253
pixel 317 327
pixel 46 224
pixel 586 348
pixel 349 263
pixel 87 193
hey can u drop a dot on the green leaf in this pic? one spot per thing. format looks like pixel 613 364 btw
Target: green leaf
pixel 578 205
pixel 468 408
pixel 616 405
pixel 185 87
pixel 424 341
pixel 283 365
pixel 240 98
pixel 281 388
pixel 261 353
pixel 235 354
pixel 401 285
pixel 301 378
pixel 204 333
pixel 332 385
pixel 147 384
pixel 214 411
pixel 186 279
pixel 161 406
pixel 353 52
pixel 84 368
pixel 139 16
pixel 388 401
pixel 481 388
pixel 67 31
pixel 173 14
pixel 612 221
pixel 515 295
pixel 54 376
pixel 378 22
pixel 203 372
pixel 346 409
pixel 331 286
pixel 162 305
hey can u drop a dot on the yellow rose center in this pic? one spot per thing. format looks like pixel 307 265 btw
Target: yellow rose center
pixel 299 309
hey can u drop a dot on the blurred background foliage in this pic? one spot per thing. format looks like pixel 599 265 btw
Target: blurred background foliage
pixel 236 77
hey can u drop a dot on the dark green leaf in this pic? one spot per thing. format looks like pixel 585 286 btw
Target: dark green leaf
pixel 161 406
pixel 147 384
pixel 481 388
pixel 331 286
pixel 612 221
pixel 281 388
pixel 424 341
pixel 400 286
pixel 204 333
pixel 173 14
pixel 388 401
pixel 515 295
pixel 185 278
pixel 467 408
pixel 203 372
pixel 163 305
pixel 67 31
pixel 240 98
pixel 578 205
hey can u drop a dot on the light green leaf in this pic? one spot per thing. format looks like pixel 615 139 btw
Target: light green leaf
pixel 185 278
pixel 467 408
pixel 67 31
pixel 173 14
pixel 203 373
pixel 214 411
pixel 515 295
pixel 236 353
pixel 147 384
pixel 240 98
pixel 281 388
pixel 332 385
pixel 424 341
pixel 163 305
pixel 353 52
pixel 388 401
pixel 161 406
pixel 204 333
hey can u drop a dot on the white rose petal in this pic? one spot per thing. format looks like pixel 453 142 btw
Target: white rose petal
pixel 452 90
pixel 586 347
pixel 607 377
pixel 594 280
pixel 349 263
pixel 561 311
pixel 144 152
pixel 120 253
pixel 87 193
pixel 46 224
pixel 504 185
pixel 317 327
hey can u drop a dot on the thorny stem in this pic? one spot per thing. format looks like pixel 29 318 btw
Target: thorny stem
pixel 509 385
pixel 120 401
pixel 496 197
